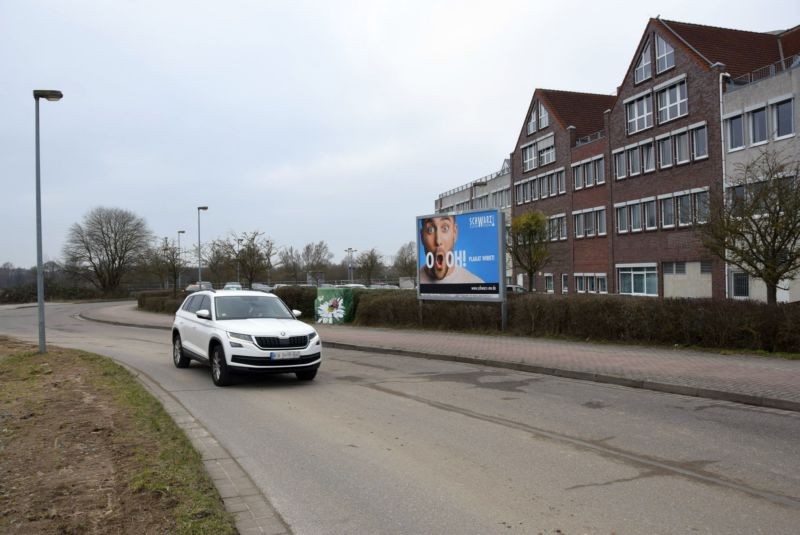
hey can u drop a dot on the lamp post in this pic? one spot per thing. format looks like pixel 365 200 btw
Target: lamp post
pixel 199 256
pixel 51 95
pixel 238 248
pixel 350 252
pixel 179 256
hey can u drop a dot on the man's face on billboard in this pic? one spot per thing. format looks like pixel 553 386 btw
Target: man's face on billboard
pixel 439 237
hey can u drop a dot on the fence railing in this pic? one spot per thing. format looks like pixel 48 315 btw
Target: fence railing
pixel 591 137
pixel 762 73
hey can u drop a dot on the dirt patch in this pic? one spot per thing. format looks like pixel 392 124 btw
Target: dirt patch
pixel 70 452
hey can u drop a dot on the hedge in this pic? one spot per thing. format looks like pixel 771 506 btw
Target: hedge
pixel 28 293
pixel 160 301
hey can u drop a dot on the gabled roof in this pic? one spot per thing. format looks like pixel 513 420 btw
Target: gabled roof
pixel 790 41
pixel 741 51
pixel 584 111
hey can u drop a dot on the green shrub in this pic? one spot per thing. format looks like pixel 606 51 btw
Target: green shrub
pixel 160 301
pixel 298 298
pixel 28 294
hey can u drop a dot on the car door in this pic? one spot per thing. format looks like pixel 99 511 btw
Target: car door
pixel 185 322
pixel 201 334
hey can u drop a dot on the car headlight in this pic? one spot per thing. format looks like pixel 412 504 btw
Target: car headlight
pixel 312 335
pixel 243 337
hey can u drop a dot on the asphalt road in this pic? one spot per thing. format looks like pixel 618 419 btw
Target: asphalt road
pixel 385 444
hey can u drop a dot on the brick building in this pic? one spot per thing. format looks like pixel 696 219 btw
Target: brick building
pixel 626 180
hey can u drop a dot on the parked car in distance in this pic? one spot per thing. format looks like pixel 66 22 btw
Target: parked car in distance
pixel 384 287
pixel 242 331
pixel 232 286
pixel 354 286
pixel 515 289
pixel 197 286
pixel 260 287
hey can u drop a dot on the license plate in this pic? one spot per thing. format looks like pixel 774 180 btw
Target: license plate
pixel 280 355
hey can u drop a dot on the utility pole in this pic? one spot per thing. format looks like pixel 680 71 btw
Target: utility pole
pixel 350 252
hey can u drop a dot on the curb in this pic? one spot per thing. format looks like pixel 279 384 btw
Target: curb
pixel 655 386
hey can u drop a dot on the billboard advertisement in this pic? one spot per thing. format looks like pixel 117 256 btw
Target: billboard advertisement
pixel 460 256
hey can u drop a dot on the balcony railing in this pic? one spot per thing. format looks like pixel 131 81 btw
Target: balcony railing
pixel 764 72
pixel 591 137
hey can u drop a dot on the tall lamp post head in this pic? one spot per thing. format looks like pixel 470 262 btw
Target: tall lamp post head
pixel 48 94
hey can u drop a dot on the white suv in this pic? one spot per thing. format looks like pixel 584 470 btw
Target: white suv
pixel 244 331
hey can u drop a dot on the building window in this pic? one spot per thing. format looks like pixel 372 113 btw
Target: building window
pixel 701 206
pixel 735 133
pixel 758 126
pixel 682 148
pixel 602 284
pixel 548 283
pixel 578 219
pixel 564 283
pixel 665 152
pixel 622 219
pixel 577 176
pixel 643 69
pixel 579 287
pixel 534 189
pixel 600 171
pixel 619 165
pixel 648 158
pixel 665 55
pixel 700 142
pixel 650 215
pixel 588 174
pixel 547 155
pixel 636 217
pixel 705 266
pixel 518 190
pixel 638 280
pixel 589 283
pixel 543 188
pixel 588 223
pixel 784 121
pixel 544 117
pixel 528 158
pixel 672 102
pixel 634 163
pixel 562 182
pixel 562 227
pixel 667 213
pixel 668 268
pixel 532 122
pixel 741 285
pixel 601 222
pixel 684 210
pixel 640 114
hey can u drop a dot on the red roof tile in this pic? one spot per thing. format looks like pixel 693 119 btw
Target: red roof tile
pixel 741 51
pixel 584 111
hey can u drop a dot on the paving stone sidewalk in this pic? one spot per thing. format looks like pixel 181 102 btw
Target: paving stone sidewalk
pixel 751 379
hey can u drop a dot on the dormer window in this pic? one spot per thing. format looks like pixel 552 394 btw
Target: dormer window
pixel 644 68
pixel 532 122
pixel 665 55
pixel 544 117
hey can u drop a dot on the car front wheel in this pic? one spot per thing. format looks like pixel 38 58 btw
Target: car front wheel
pixel 219 368
pixel 178 358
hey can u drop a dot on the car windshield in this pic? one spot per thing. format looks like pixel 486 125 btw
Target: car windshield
pixel 241 307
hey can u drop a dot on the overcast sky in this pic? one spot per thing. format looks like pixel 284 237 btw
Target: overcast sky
pixel 335 121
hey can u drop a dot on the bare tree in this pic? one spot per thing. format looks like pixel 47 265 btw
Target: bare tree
pixel 316 256
pixel 405 262
pixel 221 261
pixel 106 246
pixel 256 256
pixel 369 263
pixel 291 261
pixel 756 225
pixel 527 242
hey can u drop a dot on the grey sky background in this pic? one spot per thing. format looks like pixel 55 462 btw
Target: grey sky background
pixel 335 121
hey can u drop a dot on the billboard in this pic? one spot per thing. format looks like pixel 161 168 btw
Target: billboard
pixel 461 256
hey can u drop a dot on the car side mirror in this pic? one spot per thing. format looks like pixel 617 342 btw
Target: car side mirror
pixel 203 314
pixel 297 313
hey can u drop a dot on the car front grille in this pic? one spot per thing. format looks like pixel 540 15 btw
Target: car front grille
pixel 273 342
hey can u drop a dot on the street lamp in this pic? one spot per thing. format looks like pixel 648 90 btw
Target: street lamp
pixel 350 252
pixel 179 256
pixel 51 95
pixel 199 257
pixel 238 248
